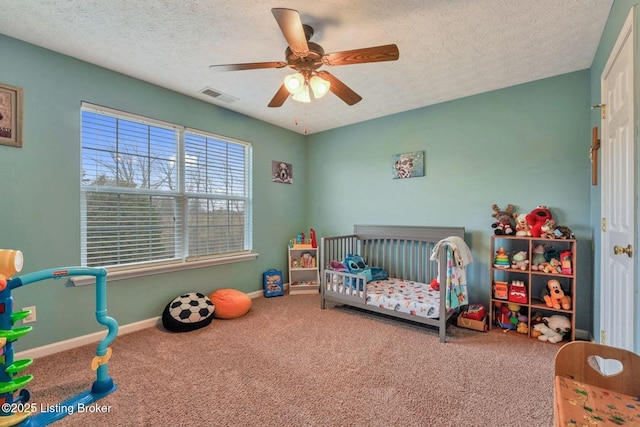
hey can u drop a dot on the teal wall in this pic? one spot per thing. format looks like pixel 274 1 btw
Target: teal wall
pixel 617 17
pixel 525 145
pixel 40 190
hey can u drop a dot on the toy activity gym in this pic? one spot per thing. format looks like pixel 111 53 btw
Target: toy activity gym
pixel 16 410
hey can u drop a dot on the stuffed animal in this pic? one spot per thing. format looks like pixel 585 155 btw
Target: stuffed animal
pixel 555 297
pixel 548 229
pixel 536 318
pixel 519 260
pixel 536 219
pixel 550 252
pixel 522 228
pixel 552 329
pixel 356 265
pixel 522 327
pixel 537 257
pixel 551 263
pixel 503 225
pixel 551 267
pixel 563 232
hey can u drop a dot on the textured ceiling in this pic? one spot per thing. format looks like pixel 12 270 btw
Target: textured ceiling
pixel 448 48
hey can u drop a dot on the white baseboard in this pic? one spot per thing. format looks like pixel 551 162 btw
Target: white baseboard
pixel 95 337
pixel 59 346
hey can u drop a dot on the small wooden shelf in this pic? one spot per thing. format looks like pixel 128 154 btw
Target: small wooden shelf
pixel 303 270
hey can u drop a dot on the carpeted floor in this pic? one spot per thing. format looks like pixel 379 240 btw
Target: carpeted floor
pixel 289 363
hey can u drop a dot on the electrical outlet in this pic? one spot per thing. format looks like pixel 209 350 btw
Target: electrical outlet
pixel 32 317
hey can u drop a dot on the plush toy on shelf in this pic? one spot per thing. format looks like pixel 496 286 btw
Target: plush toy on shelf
pixel 563 232
pixel 503 225
pixel 536 318
pixel 548 229
pixel 551 262
pixel 553 328
pixel 555 297
pixel 551 267
pixel 522 228
pixel 536 219
pixel 519 261
pixel 522 327
pixel 537 257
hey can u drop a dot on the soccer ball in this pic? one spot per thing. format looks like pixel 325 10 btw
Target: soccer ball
pixel 188 312
pixel 191 308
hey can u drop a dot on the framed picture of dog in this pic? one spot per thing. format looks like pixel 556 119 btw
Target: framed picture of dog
pixel 281 172
pixel 10 115
pixel 408 165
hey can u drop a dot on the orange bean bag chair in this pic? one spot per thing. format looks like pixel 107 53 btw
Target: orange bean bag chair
pixel 230 303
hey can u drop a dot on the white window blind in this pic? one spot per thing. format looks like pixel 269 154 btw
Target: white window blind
pixel 155 192
pixel 217 185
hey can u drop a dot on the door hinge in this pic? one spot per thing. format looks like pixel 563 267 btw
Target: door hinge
pixel 603 337
pixel 603 110
pixel 603 224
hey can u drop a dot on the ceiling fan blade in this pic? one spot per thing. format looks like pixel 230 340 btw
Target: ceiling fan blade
pixel 387 52
pixel 341 90
pixel 291 27
pixel 248 66
pixel 281 95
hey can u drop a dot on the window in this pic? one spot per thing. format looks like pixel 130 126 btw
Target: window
pixel 157 193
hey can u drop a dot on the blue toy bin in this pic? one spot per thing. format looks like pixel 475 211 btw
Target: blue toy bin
pixel 272 282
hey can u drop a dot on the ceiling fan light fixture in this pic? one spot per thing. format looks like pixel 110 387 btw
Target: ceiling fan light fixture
pixel 319 86
pixel 294 83
pixel 303 95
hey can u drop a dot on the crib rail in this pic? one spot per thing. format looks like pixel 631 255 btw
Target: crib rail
pixel 401 257
pixel 347 286
pixel 336 248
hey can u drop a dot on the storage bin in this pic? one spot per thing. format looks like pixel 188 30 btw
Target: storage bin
pixel 272 282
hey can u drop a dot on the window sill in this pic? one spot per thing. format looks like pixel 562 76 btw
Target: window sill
pixel 129 273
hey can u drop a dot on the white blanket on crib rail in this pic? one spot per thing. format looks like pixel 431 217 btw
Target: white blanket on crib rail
pixel 461 251
pixel 458 257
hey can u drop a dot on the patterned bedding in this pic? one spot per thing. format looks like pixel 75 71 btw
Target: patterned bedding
pixel 406 296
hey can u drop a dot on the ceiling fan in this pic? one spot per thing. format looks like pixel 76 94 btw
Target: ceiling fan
pixel 306 57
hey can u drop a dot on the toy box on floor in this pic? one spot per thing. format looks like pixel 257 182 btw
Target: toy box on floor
pixel 473 317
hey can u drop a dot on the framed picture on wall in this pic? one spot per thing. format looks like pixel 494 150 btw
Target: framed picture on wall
pixel 281 172
pixel 408 165
pixel 10 115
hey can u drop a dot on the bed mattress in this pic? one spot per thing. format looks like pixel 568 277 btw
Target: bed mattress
pixel 415 298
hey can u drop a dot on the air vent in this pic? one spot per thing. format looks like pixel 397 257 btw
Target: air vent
pixel 218 95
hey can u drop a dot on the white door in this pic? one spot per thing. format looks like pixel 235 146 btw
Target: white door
pixel 618 253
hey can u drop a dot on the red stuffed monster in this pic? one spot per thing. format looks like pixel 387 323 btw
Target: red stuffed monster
pixel 536 219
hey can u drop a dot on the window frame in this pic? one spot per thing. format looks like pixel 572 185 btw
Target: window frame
pixel 182 260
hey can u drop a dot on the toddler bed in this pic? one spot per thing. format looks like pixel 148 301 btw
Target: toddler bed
pixel 411 256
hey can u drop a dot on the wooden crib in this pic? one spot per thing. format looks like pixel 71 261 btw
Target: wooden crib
pixel 402 251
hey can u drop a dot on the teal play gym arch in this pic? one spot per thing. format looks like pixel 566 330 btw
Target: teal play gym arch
pixel 14 408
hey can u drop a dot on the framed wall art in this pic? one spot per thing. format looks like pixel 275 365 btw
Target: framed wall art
pixel 10 115
pixel 281 172
pixel 408 165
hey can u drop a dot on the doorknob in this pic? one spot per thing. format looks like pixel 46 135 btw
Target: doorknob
pixel 619 250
